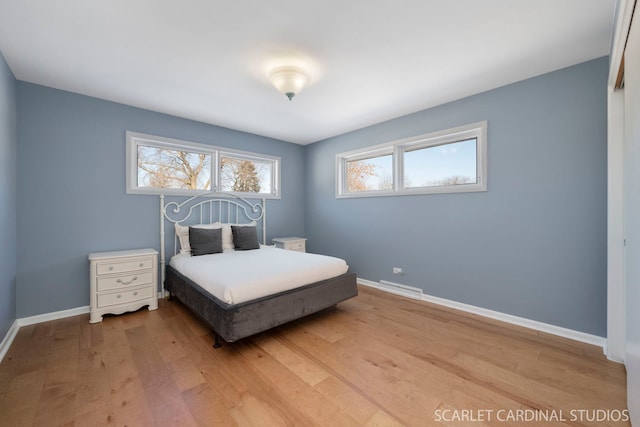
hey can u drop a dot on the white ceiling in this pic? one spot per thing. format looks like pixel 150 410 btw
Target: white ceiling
pixel 370 60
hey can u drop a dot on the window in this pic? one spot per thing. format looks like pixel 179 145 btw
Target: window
pixel 453 163
pixel 172 168
pixel 158 165
pixel 245 174
pixel 450 161
pixel 373 171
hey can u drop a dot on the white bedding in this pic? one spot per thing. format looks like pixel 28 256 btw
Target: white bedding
pixel 239 276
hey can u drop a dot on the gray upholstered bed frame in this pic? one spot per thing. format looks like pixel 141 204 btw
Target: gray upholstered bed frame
pixel 237 321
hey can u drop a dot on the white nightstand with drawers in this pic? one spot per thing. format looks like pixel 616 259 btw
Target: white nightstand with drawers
pixel 123 281
pixel 290 243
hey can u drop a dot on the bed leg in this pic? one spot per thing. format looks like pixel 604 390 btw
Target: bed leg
pixel 216 343
pixel 170 296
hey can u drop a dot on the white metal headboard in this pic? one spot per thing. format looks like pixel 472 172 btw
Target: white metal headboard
pixel 206 209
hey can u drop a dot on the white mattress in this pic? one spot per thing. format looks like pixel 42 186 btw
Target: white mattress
pixel 239 276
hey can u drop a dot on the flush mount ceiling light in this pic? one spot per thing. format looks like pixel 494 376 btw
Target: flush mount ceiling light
pixel 289 80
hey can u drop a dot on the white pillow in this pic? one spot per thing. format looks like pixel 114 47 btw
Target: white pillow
pixel 227 234
pixel 182 231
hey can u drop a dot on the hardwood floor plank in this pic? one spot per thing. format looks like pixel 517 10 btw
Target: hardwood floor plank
pixel 317 408
pixel 163 395
pixel 57 399
pixel 207 407
pixel 98 414
pixel 531 392
pixel 163 338
pixel 299 365
pixel 381 419
pixel 426 357
pixel 185 373
pixel 568 380
pixel 240 379
pixel 56 410
pixel 127 397
pixel 29 359
pixel 599 367
pixel 18 407
pixel 93 403
pixel 252 411
pixel 387 382
pixel 90 334
pixel 350 401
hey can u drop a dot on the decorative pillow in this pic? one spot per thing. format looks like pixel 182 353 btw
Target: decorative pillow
pixel 245 237
pixel 182 231
pixel 204 241
pixel 227 234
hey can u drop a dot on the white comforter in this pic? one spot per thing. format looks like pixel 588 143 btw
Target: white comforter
pixel 239 276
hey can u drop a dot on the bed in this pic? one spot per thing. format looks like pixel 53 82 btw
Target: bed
pixel 239 293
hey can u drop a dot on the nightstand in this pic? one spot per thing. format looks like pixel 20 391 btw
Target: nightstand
pixel 290 243
pixel 123 281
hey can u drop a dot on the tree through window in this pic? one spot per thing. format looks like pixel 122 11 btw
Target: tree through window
pixel 158 165
pixel 164 168
pixel 375 173
pixel 244 176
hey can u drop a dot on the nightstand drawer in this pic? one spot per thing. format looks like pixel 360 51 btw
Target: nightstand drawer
pixel 118 298
pixel 114 282
pixel 122 267
pixel 296 246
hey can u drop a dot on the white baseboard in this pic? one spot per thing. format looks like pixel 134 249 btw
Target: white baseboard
pixel 46 317
pixel 508 318
pixel 396 290
pixel 410 291
pixel 8 339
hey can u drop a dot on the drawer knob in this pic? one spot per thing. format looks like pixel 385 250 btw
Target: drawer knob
pixel 118 296
pixel 142 264
pixel 110 267
pixel 135 293
pixel 129 282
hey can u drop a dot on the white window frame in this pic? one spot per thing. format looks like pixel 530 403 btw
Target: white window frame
pixel 134 139
pixel 476 131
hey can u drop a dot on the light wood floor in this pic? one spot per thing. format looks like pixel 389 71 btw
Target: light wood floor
pixel 376 360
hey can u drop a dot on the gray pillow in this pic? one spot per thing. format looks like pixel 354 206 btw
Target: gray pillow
pixel 204 241
pixel 245 238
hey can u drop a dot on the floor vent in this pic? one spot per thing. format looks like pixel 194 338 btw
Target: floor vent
pixel 404 290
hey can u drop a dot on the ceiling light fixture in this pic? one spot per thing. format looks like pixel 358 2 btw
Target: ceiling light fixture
pixel 289 80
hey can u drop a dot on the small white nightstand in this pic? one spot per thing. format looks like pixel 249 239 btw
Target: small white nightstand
pixel 290 243
pixel 123 281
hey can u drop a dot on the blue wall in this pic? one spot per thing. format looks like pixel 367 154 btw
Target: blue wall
pixel 8 176
pixel 71 189
pixel 533 245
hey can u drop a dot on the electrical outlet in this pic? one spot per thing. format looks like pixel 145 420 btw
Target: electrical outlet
pixel 397 270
